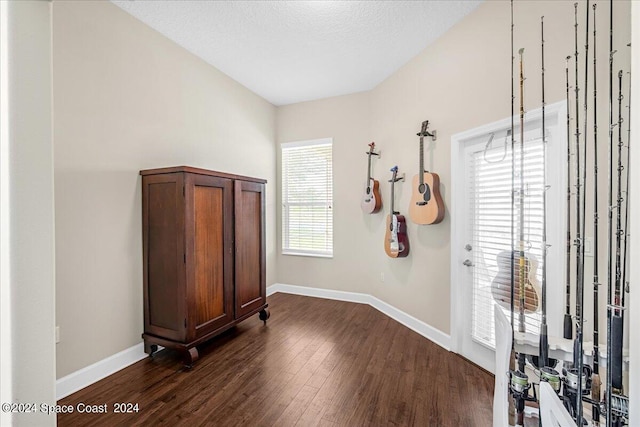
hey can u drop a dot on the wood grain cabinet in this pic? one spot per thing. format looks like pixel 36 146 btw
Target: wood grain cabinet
pixel 203 253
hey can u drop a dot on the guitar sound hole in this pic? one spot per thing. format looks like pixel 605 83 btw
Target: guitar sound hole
pixel 425 191
pixel 368 190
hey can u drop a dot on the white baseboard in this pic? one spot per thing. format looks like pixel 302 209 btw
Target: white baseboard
pixel 86 376
pixel 418 326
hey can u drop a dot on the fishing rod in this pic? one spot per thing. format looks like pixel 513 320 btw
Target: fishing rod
pixel 576 377
pixel 582 385
pixel 625 283
pixel 617 404
pixel 620 402
pixel 578 240
pixel 544 339
pixel 595 378
pixel 610 223
pixel 619 199
pixel 617 318
pixel 519 381
pixel 547 373
pixel 513 143
pixel 512 359
pixel 521 258
pixel 568 324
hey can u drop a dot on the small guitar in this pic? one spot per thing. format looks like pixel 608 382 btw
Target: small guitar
pixel 426 206
pixel 396 242
pixel 371 200
pixel 501 284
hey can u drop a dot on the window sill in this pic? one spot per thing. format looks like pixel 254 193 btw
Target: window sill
pixel 305 254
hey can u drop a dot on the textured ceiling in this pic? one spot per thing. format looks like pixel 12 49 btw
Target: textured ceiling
pixel 293 51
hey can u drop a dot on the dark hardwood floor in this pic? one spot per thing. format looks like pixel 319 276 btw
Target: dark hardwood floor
pixel 316 363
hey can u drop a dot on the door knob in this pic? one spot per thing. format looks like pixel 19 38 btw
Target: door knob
pixel 467 262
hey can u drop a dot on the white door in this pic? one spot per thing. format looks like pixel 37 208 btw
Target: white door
pixel 482 226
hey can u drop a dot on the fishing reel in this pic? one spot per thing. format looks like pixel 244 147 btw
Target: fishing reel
pixel 552 377
pixel 519 387
pixel 570 382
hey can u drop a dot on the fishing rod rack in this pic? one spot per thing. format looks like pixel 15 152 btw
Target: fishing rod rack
pixel 579 381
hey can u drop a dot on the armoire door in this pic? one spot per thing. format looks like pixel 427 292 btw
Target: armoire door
pixel 250 247
pixel 163 242
pixel 209 252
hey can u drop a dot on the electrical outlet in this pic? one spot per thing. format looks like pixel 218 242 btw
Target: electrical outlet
pixel 57 334
pixel 382 277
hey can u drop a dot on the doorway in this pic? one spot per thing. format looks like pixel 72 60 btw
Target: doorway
pixel 482 218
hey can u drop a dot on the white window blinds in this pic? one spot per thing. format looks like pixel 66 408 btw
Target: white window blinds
pixel 490 183
pixel 307 198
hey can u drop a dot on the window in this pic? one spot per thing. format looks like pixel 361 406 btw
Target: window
pixel 307 198
pixel 491 228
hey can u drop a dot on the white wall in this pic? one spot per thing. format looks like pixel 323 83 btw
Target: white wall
pixel 125 99
pixel 347 120
pixel 6 333
pixel 31 208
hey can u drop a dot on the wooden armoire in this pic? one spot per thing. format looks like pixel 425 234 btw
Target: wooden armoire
pixel 204 255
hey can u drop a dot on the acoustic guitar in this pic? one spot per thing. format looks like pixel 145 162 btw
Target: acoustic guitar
pixel 371 200
pixel 501 284
pixel 396 242
pixel 426 206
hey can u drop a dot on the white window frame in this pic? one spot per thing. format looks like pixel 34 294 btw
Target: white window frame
pixel 556 207
pixel 284 192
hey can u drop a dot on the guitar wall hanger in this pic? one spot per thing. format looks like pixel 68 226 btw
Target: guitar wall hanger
pixel 433 134
pixel 397 178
